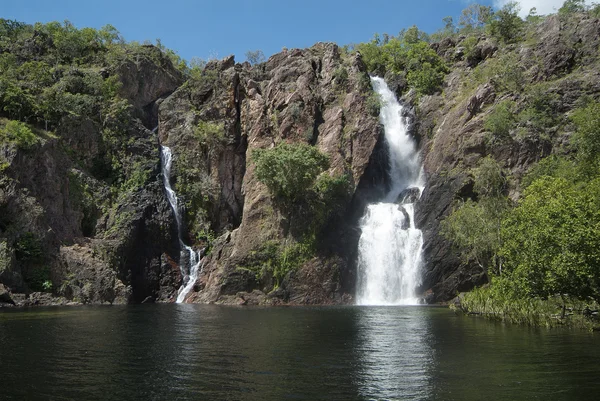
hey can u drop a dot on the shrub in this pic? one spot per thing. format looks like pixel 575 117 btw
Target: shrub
pixel 505 24
pixel 501 120
pixel 19 134
pixel 551 239
pixel 373 103
pixel 255 57
pixel 209 133
pixel 587 137
pixel 340 76
pixel 289 170
pixel 275 261
pixel 542 111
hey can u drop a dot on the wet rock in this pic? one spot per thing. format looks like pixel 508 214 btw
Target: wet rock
pixel 5 296
pixel 406 220
pixel 409 195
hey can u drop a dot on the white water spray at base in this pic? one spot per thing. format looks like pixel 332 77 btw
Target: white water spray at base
pixel 390 245
pixel 194 258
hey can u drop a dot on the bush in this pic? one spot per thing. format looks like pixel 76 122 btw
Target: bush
pixel 273 261
pixel 209 133
pixel 410 53
pixel 550 241
pixel 340 76
pixel 474 227
pixel 28 248
pixel 255 57
pixel 587 137
pixel 289 170
pixel 506 25
pixel 19 134
pixel 501 120
pixel 542 111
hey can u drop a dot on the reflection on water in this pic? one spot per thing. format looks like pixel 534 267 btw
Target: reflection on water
pixel 191 352
pixel 395 359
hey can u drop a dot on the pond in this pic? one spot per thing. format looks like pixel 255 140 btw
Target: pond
pixel 192 352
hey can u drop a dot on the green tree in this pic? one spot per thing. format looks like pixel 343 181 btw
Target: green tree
pixel 474 227
pixel 505 24
pixel 501 120
pixel 18 133
pixel 572 6
pixel 289 170
pixel 255 56
pixel 474 17
pixel 550 241
pixel 587 137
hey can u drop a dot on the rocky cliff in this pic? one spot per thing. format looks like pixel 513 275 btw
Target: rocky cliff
pixel 83 213
pixel 315 96
pixel 544 77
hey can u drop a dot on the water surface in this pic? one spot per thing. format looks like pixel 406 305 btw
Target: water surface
pixel 193 352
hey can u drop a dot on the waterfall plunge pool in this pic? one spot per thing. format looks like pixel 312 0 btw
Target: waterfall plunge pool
pixel 192 352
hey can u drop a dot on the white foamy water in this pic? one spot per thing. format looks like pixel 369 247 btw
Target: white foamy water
pixel 194 258
pixel 390 245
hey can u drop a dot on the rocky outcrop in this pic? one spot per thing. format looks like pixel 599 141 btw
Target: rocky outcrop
pixel 454 138
pixel 72 227
pixel 80 225
pixel 313 96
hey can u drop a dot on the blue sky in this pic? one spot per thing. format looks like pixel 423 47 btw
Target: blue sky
pixel 215 29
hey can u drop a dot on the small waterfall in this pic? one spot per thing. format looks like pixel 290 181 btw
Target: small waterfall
pixel 194 258
pixel 390 245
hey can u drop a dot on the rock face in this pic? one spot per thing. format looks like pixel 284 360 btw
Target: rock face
pixel 70 229
pixel 454 138
pixel 312 96
pixel 63 227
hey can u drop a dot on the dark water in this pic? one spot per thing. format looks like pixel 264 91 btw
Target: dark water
pixel 190 352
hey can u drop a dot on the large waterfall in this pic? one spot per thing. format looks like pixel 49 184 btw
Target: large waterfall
pixel 390 245
pixel 194 258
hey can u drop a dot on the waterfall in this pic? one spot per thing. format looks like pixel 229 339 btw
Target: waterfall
pixel 194 258
pixel 390 245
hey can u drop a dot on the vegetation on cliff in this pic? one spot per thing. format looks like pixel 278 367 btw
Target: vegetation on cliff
pixel 77 160
pixel 540 251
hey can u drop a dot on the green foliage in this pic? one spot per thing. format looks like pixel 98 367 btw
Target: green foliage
pixel 47 285
pixel 551 166
pixel 490 181
pixel 505 72
pixel 255 57
pixel 572 6
pixel 18 133
pixel 289 170
pixel 541 112
pixel 373 103
pixel 498 301
pixel 551 240
pixel 426 80
pixel 474 227
pixel 449 30
pixel 474 18
pixel 340 76
pixel 328 199
pixel 501 120
pixel 82 198
pixel 408 52
pixel 587 137
pixel 470 45
pixel 209 134
pixel 28 248
pixel 505 24
pixel 274 261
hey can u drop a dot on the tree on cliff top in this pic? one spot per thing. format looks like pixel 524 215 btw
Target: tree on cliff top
pixel 255 56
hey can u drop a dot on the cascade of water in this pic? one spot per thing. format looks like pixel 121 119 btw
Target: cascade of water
pixel 194 258
pixel 390 245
